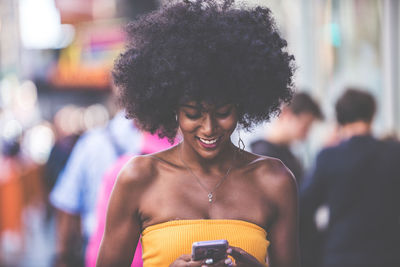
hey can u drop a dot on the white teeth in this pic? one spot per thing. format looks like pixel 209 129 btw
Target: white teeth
pixel 208 142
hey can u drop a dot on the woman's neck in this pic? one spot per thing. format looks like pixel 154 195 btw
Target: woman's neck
pixel 223 160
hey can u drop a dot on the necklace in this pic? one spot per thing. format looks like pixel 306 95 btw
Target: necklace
pixel 209 192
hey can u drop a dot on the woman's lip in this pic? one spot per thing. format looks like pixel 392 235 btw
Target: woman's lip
pixel 213 145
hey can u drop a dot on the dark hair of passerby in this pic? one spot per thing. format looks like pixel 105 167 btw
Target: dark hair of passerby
pixel 355 105
pixel 303 103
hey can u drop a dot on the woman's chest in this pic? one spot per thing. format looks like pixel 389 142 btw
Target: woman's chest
pixel 184 198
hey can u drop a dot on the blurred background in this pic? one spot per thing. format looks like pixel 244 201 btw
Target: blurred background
pixel 55 61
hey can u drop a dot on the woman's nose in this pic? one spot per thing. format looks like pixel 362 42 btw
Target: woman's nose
pixel 207 127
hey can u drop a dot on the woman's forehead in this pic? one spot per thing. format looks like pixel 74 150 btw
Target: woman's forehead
pixel 204 105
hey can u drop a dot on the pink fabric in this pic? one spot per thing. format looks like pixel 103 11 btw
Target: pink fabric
pixel 102 202
pixel 150 144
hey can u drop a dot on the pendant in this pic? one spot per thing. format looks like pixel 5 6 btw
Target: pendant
pixel 210 196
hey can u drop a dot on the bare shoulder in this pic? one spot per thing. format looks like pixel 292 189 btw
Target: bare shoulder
pixel 272 176
pixel 137 172
pixel 142 170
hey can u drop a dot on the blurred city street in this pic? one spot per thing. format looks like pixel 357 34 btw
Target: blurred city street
pixel 56 89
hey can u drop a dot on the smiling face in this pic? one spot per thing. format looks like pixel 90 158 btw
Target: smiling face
pixel 207 128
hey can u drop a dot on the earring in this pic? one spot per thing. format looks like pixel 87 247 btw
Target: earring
pixel 241 145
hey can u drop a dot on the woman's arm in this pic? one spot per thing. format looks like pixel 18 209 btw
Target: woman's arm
pixel 122 228
pixel 283 232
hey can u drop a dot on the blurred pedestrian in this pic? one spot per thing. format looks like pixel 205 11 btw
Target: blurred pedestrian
pixel 75 193
pixel 292 125
pixel 11 201
pixel 150 144
pixel 66 137
pixel 359 181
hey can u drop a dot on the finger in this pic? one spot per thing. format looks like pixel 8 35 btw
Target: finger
pixel 236 253
pixel 194 264
pixel 223 263
pixel 208 262
pixel 242 256
pixel 202 263
pixel 228 262
pixel 185 257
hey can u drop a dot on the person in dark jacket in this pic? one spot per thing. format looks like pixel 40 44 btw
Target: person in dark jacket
pixel 359 181
pixel 293 124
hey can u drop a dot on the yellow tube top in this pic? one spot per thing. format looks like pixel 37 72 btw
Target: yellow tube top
pixel 163 243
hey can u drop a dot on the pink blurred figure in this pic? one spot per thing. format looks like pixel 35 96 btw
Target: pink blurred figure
pixel 150 144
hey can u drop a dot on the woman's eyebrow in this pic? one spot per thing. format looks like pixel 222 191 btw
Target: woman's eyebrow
pixel 224 106
pixel 191 106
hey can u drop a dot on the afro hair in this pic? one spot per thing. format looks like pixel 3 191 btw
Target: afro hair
pixel 204 51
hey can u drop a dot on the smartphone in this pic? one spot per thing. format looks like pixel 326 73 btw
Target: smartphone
pixel 213 249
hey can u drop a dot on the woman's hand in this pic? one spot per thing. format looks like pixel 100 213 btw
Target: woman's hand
pixel 186 261
pixel 242 258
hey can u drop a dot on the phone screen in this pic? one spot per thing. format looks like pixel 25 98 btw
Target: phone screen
pixel 214 249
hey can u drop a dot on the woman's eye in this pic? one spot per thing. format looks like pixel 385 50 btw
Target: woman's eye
pixel 192 116
pixel 223 114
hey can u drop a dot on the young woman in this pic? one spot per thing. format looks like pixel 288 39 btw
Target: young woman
pixel 203 67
